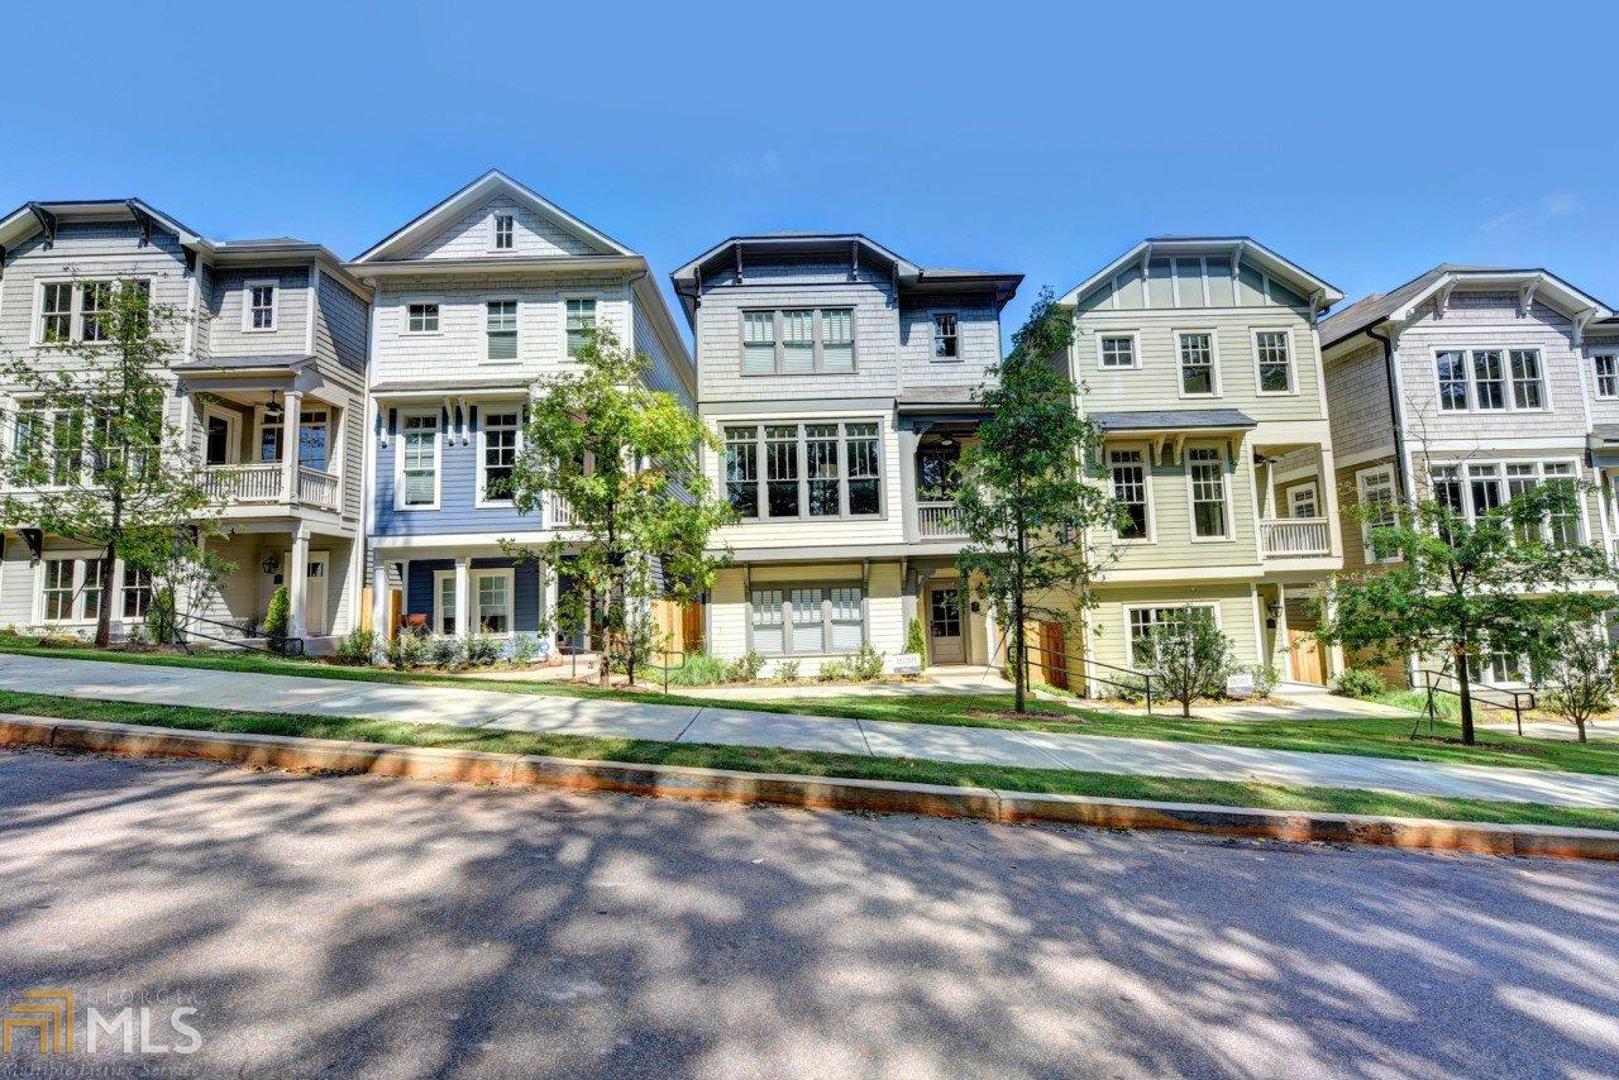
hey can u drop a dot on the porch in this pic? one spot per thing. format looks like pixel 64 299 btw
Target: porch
pixel 317 569
pixel 931 447
pixel 1298 501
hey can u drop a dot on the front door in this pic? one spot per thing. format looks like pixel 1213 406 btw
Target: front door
pixel 315 594
pixel 1306 653
pixel 944 626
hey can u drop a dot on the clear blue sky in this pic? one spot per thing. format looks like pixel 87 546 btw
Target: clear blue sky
pixel 1365 141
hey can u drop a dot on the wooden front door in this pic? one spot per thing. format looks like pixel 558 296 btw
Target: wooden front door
pixel 1306 653
pixel 1054 655
pixel 944 626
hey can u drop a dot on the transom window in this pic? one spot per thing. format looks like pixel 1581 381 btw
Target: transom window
pixel 1490 380
pixel 946 345
pixel 503 232
pixel 501 329
pixel 499 433
pixel 1197 365
pixel 1206 468
pixel 808 620
pixel 581 320
pixel 422 318
pixel 826 469
pixel 418 453
pixel 1149 623
pixel 1129 472
pixel 1607 374
pixel 1271 348
pixel 1117 351
pixel 798 341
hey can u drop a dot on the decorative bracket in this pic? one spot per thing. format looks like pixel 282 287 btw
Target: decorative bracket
pixel 35 539
pixel 146 221
pixel 1581 321
pixel 1441 298
pixel 47 222
pixel 854 260
pixel 1526 295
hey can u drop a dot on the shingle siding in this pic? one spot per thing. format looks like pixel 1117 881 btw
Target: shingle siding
pixel 470 236
pixel 978 331
pixel 1358 401
pixel 290 337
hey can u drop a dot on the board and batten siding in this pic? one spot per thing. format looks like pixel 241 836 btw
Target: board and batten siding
pixel 290 337
pixel 533 236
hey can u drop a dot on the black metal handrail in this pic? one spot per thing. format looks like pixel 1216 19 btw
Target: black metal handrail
pixel 1476 691
pixel 1089 677
pixel 279 645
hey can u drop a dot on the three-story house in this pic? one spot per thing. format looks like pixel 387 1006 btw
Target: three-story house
pixel 478 297
pixel 839 376
pixel 267 365
pixel 1470 384
pixel 1198 360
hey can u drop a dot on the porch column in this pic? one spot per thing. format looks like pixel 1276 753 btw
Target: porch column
pixel 380 595
pixel 1333 658
pixel 907 480
pixel 298 581
pixel 548 602
pixel 1280 642
pixel 292 407
pixel 463 602
pixel 1328 476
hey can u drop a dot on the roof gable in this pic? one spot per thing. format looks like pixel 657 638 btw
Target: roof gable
pixel 1235 248
pixel 458 228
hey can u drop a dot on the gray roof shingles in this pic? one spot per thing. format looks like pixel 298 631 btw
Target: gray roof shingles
pixel 1173 420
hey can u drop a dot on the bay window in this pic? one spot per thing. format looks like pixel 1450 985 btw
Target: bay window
pixel 824 469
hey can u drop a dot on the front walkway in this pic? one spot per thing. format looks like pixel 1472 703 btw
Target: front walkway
pixel 699 724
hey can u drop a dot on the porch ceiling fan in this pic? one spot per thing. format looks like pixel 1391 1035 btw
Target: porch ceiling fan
pixel 274 406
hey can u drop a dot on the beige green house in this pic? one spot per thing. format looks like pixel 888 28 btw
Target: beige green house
pixel 1199 359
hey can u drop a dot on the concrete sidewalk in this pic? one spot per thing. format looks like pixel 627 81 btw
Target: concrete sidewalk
pixel 698 724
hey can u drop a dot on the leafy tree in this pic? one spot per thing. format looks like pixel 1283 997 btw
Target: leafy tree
pixel 1026 505
pixel 1577 673
pixel 1190 656
pixel 1457 588
pixel 628 460
pixel 93 457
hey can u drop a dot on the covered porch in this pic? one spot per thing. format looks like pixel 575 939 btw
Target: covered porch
pixel 318 569
pixel 1298 501
pixel 1290 612
pixel 933 434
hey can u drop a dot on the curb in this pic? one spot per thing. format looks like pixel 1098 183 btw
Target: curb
pixel 296 754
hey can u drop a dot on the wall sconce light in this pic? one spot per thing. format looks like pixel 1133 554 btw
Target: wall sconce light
pixel 271 563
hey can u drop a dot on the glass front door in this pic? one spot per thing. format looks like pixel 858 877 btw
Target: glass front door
pixel 944 626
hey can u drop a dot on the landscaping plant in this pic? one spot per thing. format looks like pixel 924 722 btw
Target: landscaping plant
pixel 357 647
pixel 916 639
pixel 1360 683
pixel 1189 657
pixel 1577 666
pixel 278 615
pixel 866 663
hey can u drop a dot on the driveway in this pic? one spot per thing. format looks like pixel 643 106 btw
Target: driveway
pixel 742 727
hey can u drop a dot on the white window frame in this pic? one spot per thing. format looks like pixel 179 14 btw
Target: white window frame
pixel 1362 478
pixel 81 558
pixel 484 409
pixel 1296 490
pixel 1612 357
pixel 233 451
pixel 75 321
pixel 274 285
pixel 1214 363
pixel 1226 495
pixel 419 301
pixel 438 459
pixel 1126 609
pixel 1509 398
pixel 596 314
pixel 439 578
pixel 1463 465
pixel 1134 337
pixel 1292 360
pixel 1146 466
pixel 934 338
pixel 474 611
pixel 494 231
pixel 517 330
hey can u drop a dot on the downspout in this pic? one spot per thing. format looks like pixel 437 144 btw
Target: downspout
pixel 1395 418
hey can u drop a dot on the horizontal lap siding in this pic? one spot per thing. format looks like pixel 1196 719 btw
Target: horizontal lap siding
pixel 728 610
pixel 661 372
pixel 290 337
pixel 534 236
pixel 1109 637
pixel 1171 509
pixel 1358 401
pixel 458 474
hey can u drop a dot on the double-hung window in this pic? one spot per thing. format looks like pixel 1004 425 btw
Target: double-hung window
pixel 946 341
pixel 1501 379
pixel 1563 524
pixel 807 620
pixel 84 310
pixel 1451 368
pixel 837 339
pixel 137 592
pixel 1528 391
pixel 92 593
pixel 1606 366
pixel 821 460
pixel 742 470
pixel 499 436
pixel 1129 471
pixel 1149 624
pixel 58 589
pixel 798 341
pixel 259 305
pixel 1275 359
pixel 500 327
pixel 1489 380
pixel 1116 350
pixel 95 311
pixel 581 324
pixel 860 450
pixel 758 342
pixel 1205 467
pixel 781 470
pixel 67 447
pixel 824 469
pixel 418 460
pixel 1376 504
pixel 56 312
pixel 493 594
pixel 503 231
pixel 422 318
pixel 73 590
pixel 1197 365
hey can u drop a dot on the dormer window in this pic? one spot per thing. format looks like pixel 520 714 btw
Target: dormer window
pixel 259 306
pixel 503 232
pixel 946 343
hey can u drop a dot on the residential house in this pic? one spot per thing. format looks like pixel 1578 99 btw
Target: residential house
pixel 839 376
pixel 476 298
pixel 268 378
pixel 1198 359
pixel 1472 383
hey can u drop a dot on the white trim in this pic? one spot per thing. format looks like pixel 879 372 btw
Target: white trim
pixel 407 302
pixel 1464 466
pixel 437 608
pixel 1145 448
pixel 1468 370
pixel 1361 476
pixel 1610 353
pixel 1219 447
pixel 1125 608
pixel 233 449
pixel 1135 349
pixel 474 614
pixel 274 284
pixel 1292 360
pixel 1294 490
pixel 436 412
pixel 1214 362
pixel 516 301
pixel 495 215
pixel 597 297
pixel 484 409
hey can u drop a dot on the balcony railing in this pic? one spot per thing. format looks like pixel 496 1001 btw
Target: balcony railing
pixel 262 484
pixel 938 519
pixel 1286 538
pixel 562 515
pixel 317 488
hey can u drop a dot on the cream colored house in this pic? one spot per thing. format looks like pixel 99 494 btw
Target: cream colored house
pixel 1199 359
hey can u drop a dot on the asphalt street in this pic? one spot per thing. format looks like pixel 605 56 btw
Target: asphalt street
pixel 365 927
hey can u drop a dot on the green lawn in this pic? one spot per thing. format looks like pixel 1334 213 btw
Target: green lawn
pixel 756 759
pixel 1370 736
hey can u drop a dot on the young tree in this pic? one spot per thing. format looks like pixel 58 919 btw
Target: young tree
pixel 1577 673
pixel 93 457
pixel 1026 506
pixel 627 459
pixel 1190 656
pixel 1461 588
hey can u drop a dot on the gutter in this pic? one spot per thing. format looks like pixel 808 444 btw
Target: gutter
pixel 1395 418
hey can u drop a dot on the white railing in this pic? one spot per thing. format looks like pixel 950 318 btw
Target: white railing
pixel 1293 537
pixel 244 483
pixel 317 488
pixel 937 519
pixel 562 515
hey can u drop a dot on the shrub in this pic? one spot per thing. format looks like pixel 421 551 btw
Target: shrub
pixel 161 619
pixel 356 648
pixel 1127 688
pixel 866 663
pixel 787 670
pixel 407 650
pixel 135 637
pixel 279 616
pixel 525 648
pixel 1265 678
pixel 835 670
pixel 746 668
pixel 915 640
pixel 445 652
pixel 700 669
pixel 1360 683
pixel 483 650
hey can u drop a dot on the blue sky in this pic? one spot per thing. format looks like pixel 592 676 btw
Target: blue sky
pixel 1366 142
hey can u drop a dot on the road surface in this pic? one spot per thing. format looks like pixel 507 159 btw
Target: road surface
pixel 365 927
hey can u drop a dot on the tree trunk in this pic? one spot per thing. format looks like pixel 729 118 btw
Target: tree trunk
pixel 109 561
pixel 1465 690
pixel 1580 726
pixel 1020 676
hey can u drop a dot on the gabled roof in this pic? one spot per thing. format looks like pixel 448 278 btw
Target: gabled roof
pixel 1396 306
pixel 1244 248
pixel 405 239
pixel 31 217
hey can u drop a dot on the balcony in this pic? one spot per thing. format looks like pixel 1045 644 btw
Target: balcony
pixel 1294 538
pixel 938 520
pixel 262 485
pixel 562 515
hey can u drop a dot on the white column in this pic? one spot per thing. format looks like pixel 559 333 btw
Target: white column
pixel 293 404
pixel 379 597
pixel 298 581
pixel 1282 644
pixel 1334 659
pixel 463 601
pixel 548 602
pixel 1328 492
